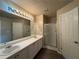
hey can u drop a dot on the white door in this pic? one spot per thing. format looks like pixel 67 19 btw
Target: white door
pixel 17 30
pixel 70 41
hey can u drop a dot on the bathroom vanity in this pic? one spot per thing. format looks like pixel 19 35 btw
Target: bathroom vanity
pixel 26 49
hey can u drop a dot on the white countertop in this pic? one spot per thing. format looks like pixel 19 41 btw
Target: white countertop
pixel 22 45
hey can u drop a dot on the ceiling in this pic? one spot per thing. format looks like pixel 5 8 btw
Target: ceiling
pixel 37 7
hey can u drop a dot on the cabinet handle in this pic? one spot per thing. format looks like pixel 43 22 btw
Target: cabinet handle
pixel 16 56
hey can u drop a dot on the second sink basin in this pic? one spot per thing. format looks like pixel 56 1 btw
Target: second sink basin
pixel 6 51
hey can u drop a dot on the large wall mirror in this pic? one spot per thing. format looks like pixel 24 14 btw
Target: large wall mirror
pixel 13 27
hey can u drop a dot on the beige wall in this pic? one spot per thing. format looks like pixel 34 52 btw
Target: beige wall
pixel 65 9
pixel 48 20
pixel 39 25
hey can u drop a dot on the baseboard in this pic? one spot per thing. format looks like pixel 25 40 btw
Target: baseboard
pixel 59 52
pixel 52 48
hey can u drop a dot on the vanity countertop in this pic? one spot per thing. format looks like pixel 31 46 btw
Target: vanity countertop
pixel 22 45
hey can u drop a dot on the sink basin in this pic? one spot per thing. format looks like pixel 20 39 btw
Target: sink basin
pixel 7 51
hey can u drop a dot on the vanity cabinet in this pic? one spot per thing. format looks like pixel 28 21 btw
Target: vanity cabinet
pixel 28 52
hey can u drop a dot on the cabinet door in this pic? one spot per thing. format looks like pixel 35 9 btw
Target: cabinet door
pixel 23 54
pixel 31 51
pixel 20 55
pixel 34 48
pixel 39 45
